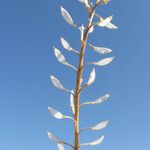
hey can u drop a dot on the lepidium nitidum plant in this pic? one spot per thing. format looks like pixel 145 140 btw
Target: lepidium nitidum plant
pixel 75 94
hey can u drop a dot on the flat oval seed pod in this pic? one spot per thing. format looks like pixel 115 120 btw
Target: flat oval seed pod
pixel 104 22
pixel 104 1
pixel 57 114
pixel 67 16
pixel 92 77
pixel 57 140
pixel 99 126
pixel 98 141
pixel 111 26
pixel 53 137
pixel 91 29
pixel 101 99
pixel 98 101
pixel 104 61
pixel 72 101
pixel 60 146
pixel 57 84
pixel 82 28
pixel 83 1
pixel 67 46
pixel 62 59
pixel 101 50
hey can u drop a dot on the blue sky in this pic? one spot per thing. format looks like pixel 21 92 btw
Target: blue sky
pixel 28 31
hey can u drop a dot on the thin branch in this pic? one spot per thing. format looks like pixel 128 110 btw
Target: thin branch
pixel 87 6
pixel 87 128
pixel 87 63
pixel 86 103
pixel 68 117
pixel 98 16
pixel 82 88
pixel 76 52
pixel 68 144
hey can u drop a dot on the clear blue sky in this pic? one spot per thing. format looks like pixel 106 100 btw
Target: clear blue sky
pixel 28 31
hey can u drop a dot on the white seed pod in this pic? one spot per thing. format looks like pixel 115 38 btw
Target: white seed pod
pixel 92 77
pixel 91 29
pixel 57 114
pixel 57 140
pixel 62 59
pixel 101 50
pixel 98 101
pixel 53 137
pixel 104 61
pixel 98 141
pixel 104 22
pixel 67 17
pixel 81 81
pixel 60 146
pixel 82 28
pixel 86 2
pixel 67 46
pixel 99 126
pixel 57 84
pixel 109 25
pixel 72 101
pixel 83 1
pixel 104 1
pixel 102 99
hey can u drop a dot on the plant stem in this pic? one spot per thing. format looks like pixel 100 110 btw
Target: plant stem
pixel 79 77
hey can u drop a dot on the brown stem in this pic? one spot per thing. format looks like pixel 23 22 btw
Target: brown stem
pixel 79 77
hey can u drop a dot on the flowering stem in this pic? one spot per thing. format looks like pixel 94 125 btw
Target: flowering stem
pixel 79 77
